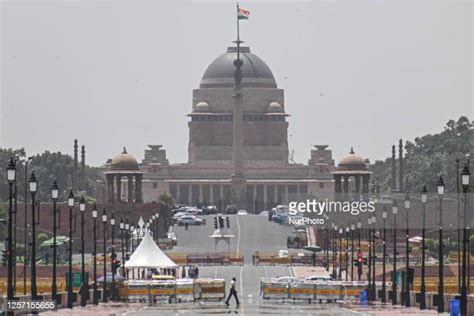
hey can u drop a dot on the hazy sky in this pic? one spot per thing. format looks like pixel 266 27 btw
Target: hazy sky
pixel 121 73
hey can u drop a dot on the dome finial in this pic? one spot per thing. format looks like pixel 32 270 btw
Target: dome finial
pixel 124 150
pixel 352 151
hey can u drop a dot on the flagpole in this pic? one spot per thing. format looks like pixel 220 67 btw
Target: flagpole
pixel 238 32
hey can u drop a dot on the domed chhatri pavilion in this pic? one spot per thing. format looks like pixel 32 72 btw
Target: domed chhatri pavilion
pixel 123 166
pixel 352 165
pixel 271 177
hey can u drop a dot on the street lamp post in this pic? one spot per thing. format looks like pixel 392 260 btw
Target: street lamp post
pixel 352 251
pixel 84 287
pixel 394 273
pixel 374 294
pixel 465 177
pixel 104 222
pixel 458 204
pixel 95 298
pixel 334 245
pixel 54 196
pixel 132 230
pixel 70 203
pixel 407 253
pixel 340 254
pixel 384 254
pixel 122 229
pixel 112 268
pixel 11 177
pixel 369 259
pixel 25 236
pixel 33 188
pixel 127 232
pixel 347 253
pixel 359 228
pixel 424 200
pixel 440 187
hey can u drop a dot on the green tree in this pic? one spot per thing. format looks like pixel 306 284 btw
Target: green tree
pixel 3 228
pixel 166 199
pixel 41 237
pixel 47 166
pixel 431 155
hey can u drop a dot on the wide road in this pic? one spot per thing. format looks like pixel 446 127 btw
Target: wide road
pixel 252 232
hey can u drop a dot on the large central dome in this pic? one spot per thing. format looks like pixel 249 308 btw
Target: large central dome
pixel 220 73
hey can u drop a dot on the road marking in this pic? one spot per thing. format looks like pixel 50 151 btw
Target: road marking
pixel 265 270
pixel 292 272
pixel 215 274
pixel 352 311
pixel 242 309
pixel 238 234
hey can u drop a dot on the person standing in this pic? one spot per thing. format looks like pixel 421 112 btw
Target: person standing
pixel 233 292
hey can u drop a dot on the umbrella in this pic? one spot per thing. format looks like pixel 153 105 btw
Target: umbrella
pixel 312 248
pixel 108 278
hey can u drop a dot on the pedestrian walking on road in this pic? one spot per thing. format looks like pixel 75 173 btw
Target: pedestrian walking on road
pixel 196 272
pixel 233 292
pixel 186 225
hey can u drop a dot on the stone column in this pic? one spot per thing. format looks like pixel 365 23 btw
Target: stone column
pixel 275 194
pixel 345 188
pixel 201 195
pixel 337 187
pixel 365 186
pixel 130 188
pixel 178 194
pixel 138 188
pixel 265 207
pixel 118 180
pixel 110 188
pixel 357 184
pixel 190 194
pixel 254 198
pixel 286 194
pixel 211 194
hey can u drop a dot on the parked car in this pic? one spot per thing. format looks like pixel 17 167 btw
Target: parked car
pixel 288 279
pixel 264 213
pixel 318 278
pixel 190 220
pixel 283 253
pixel 277 218
pixel 211 209
pixel 242 212
pixel 231 209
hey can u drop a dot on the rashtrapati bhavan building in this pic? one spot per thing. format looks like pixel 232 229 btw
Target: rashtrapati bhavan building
pixel 270 177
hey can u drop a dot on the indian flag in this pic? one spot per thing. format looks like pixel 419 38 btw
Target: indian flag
pixel 242 14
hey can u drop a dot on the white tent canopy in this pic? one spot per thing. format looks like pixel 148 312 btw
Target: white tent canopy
pixel 149 255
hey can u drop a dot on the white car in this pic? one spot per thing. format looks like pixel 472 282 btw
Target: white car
pixel 242 212
pixel 264 213
pixel 288 279
pixel 283 253
pixel 190 220
pixel 318 278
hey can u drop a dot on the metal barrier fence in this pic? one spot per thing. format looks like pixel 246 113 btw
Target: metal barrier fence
pixel 207 259
pixel 259 258
pixel 312 291
pixel 177 290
